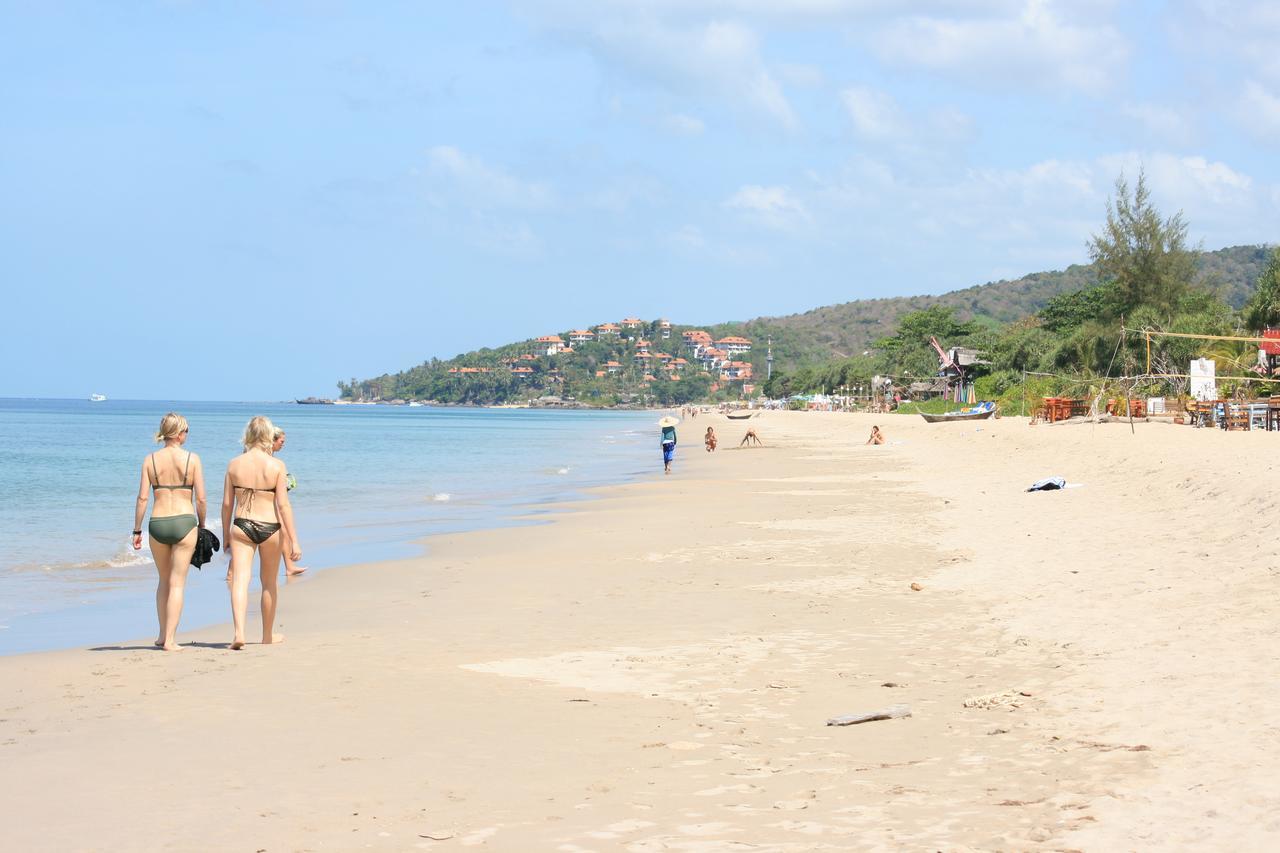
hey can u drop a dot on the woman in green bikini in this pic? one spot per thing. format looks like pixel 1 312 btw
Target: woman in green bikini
pixel 177 478
pixel 255 489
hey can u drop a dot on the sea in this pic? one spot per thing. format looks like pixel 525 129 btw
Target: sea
pixel 374 483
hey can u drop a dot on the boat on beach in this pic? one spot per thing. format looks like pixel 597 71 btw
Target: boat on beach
pixel 742 415
pixel 980 412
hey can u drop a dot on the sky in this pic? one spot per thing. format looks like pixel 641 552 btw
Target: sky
pixel 252 200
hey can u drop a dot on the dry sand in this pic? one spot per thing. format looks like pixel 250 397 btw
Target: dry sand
pixel 1089 669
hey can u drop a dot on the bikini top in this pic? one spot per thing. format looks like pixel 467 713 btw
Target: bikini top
pixel 183 485
pixel 251 489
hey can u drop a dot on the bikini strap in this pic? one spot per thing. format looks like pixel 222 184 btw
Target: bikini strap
pixel 155 471
pixel 186 468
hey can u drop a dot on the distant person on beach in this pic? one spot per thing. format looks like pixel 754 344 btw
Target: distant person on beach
pixel 877 437
pixel 255 489
pixel 711 440
pixel 668 442
pixel 177 478
pixel 751 439
pixel 290 567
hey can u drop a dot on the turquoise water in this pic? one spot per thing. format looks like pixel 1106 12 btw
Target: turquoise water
pixel 371 481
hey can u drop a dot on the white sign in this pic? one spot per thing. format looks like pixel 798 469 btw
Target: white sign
pixel 1203 384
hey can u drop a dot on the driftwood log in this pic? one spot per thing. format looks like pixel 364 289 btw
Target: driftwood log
pixel 893 712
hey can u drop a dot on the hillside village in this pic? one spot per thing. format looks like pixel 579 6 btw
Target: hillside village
pixel 632 361
pixel 636 362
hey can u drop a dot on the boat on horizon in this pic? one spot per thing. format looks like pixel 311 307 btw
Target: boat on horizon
pixel 97 398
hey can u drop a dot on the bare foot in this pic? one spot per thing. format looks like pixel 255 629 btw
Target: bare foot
pixel 275 638
pixel 237 645
pixel 171 647
pixel 296 570
pixel 159 644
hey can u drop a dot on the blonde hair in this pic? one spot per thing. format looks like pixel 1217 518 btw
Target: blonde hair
pixel 172 425
pixel 277 434
pixel 259 433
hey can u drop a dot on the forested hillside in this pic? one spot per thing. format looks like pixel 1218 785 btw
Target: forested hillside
pixel 847 329
pixel 610 371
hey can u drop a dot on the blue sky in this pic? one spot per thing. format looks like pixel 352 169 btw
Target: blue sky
pixel 251 200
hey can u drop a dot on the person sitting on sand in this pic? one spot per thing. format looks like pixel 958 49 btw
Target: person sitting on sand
pixel 877 437
pixel 177 478
pixel 751 439
pixel 256 490
pixel 711 440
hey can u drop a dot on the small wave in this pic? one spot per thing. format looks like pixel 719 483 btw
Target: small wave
pixel 564 470
pixel 125 559
pixel 442 496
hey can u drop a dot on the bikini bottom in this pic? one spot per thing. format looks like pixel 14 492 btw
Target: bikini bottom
pixel 171 529
pixel 257 531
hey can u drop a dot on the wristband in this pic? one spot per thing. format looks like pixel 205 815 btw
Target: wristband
pixel 137 533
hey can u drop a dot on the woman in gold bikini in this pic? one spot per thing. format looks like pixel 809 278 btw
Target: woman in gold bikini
pixel 256 490
pixel 177 478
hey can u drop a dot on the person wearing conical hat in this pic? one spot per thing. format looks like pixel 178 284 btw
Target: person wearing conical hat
pixel 668 442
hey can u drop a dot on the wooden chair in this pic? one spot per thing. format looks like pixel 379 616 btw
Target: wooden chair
pixel 1273 413
pixel 1237 416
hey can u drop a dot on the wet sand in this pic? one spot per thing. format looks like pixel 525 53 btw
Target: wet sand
pixel 1088 669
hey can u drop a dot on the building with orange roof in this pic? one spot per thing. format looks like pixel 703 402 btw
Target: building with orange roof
pixel 642 345
pixel 712 358
pixel 696 341
pixel 581 336
pixel 664 329
pixel 679 363
pixel 551 344
pixel 612 366
pixel 643 358
pixel 632 323
pixel 736 370
pixel 608 329
pixel 528 357
pixel 734 344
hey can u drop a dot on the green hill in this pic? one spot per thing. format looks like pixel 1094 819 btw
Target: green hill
pixel 812 338
pixel 851 327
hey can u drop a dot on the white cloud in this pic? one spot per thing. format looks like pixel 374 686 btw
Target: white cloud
pixel 1259 110
pixel 1167 124
pixel 1033 44
pixel 1247 31
pixel 773 207
pixel 875 114
pixel 801 75
pixel 458 178
pixel 1193 184
pixel 877 117
pixel 687 237
pixel 683 125
pixel 679 49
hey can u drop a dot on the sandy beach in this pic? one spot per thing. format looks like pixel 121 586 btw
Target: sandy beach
pixel 653 669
